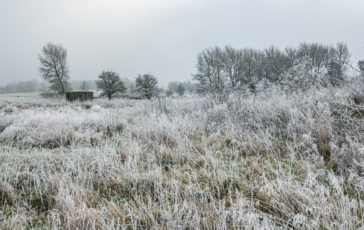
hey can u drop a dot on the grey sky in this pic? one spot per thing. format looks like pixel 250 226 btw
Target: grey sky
pixel 163 37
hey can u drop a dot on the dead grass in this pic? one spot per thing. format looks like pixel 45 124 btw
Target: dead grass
pixel 7 194
pixel 276 162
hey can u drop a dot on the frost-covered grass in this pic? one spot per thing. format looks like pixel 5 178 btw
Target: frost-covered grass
pixel 22 95
pixel 266 161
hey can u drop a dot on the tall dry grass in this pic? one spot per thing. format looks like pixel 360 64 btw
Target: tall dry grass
pixel 270 160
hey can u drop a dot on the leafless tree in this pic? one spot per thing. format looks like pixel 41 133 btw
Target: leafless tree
pixel 275 64
pixel 233 66
pixel 181 89
pixel 339 57
pixel 54 68
pixel 315 55
pixel 109 82
pixel 210 73
pixel 147 85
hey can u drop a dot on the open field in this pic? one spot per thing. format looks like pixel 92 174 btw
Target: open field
pixel 266 161
pixel 21 95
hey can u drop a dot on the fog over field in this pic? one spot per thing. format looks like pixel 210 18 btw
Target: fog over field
pixel 181 114
pixel 162 37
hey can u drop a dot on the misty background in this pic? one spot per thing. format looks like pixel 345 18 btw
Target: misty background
pixel 163 37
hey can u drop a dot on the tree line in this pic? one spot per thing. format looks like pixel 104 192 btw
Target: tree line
pixel 223 70
pixel 219 71
pixel 23 86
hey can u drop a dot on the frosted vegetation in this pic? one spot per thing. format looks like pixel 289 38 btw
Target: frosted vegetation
pixel 272 159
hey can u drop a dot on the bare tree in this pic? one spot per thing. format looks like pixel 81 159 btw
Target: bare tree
pixel 181 89
pixel 233 66
pixel 253 67
pixel 210 73
pixel 315 56
pixel 109 82
pixel 54 68
pixel 291 53
pixel 147 85
pixel 339 57
pixel 276 63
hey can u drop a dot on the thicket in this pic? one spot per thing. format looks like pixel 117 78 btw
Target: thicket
pixel 221 71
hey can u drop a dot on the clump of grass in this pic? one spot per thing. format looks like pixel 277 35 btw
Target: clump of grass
pixel 7 194
pixel 358 99
pixel 322 140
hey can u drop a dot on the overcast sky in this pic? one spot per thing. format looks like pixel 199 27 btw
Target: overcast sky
pixel 163 37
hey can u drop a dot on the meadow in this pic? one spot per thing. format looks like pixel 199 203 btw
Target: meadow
pixel 266 160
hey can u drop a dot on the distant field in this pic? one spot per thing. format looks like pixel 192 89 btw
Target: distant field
pixel 33 94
